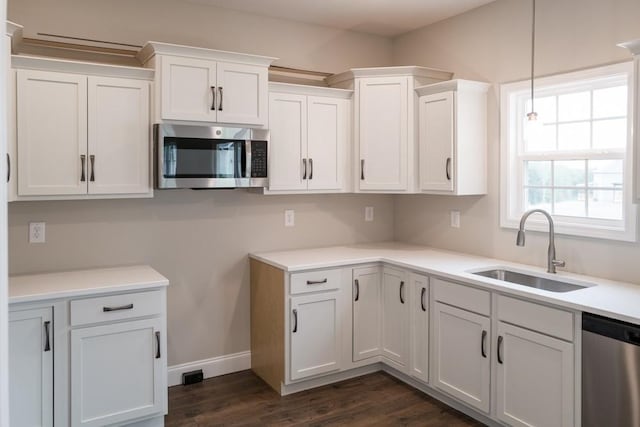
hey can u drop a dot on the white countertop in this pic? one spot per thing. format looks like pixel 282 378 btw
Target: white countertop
pixel 37 287
pixel 609 298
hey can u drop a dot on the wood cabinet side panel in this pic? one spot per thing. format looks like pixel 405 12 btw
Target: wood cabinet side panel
pixel 267 323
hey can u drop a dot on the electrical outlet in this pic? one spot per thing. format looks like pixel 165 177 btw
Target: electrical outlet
pixel 455 219
pixel 36 232
pixel 368 213
pixel 289 218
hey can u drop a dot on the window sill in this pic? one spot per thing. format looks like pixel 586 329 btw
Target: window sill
pixel 576 230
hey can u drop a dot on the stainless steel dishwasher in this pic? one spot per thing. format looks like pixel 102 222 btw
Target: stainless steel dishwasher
pixel 610 372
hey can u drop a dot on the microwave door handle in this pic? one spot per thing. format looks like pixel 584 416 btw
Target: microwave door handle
pixel 248 159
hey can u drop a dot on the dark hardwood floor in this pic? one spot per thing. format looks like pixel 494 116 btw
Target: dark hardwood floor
pixel 243 399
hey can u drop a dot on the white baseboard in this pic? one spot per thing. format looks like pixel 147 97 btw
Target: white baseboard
pixel 213 367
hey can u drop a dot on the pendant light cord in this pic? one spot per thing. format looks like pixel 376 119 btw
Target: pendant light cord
pixel 533 46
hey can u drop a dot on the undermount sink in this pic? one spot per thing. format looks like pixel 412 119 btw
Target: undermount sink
pixel 529 280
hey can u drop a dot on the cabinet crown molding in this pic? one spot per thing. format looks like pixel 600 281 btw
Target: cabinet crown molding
pixel 310 90
pixel 409 70
pixel 78 67
pixel 152 48
pixel 453 85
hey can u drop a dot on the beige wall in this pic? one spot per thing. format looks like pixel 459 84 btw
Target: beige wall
pixel 195 24
pixel 199 240
pixel 492 44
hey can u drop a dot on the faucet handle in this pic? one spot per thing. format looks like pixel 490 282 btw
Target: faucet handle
pixel 558 263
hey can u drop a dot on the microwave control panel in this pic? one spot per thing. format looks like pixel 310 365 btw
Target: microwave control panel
pixel 258 159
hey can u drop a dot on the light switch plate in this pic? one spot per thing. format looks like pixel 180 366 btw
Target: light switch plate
pixel 368 213
pixel 455 219
pixel 36 232
pixel 289 218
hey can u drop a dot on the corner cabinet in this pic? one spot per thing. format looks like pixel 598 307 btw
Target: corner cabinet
pixel 395 317
pixel 94 359
pixel 205 85
pixel 309 139
pixel 384 125
pixel 79 135
pixel 367 312
pixel 453 137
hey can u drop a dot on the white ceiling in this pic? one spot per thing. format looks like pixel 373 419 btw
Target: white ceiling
pixel 383 17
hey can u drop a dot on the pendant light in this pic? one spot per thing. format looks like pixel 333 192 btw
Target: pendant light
pixel 532 115
pixel 533 127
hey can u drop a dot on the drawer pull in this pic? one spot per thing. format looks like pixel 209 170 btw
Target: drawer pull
pixel 316 282
pixel 47 341
pixel 158 345
pixel 122 307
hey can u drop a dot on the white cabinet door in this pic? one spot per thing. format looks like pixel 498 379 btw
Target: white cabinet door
pixel 119 142
pixel 383 133
pixel 52 133
pixel 328 139
pixel 117 372
pixel 395 316
pixel 31 367
pixel 437 126
pixel 189 90
pixel 288 142
pixel 242 94
pixel 461 349
pixel 419 342
pixel 366 313
pixel 535 378
pixel 315 335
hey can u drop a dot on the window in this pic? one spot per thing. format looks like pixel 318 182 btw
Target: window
pixel 575 162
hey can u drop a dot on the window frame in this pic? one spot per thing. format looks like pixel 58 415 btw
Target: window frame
pixel 512 165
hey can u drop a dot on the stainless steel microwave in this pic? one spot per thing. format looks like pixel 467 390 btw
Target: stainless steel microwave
pixel 210 157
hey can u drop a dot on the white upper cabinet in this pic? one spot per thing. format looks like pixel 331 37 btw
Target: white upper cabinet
pixel 309 139
pixel 204 85
pixel 52 133
pixel 119 139
pixel 79 135
pixel 453 137
pixel 384 125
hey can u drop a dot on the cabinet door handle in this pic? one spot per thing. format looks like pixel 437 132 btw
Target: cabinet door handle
pixel 447 168
pixel 213 100
pixel 401 292
pixel 500 359
pixel 316 282
pixel 304 164
pixel 357 283
pixel 157 344
pixel 295 319
pixel 483 350
pixel 423 293
pixel 8 167
pixel 82 164
pixel 122 307
pixel 220 106
pixel 47 340
pixel 361 169
pixel 92 160
pixel 310 168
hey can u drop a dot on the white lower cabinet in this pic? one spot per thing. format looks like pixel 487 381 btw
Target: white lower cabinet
pixel 366 313
pixel 31 367
pixel 461 355
pixel 315 334
pixel 117 372
pixel 395 317
pixel 419 327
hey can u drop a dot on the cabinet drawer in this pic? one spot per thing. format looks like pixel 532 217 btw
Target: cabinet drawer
pixel 313 281
pixel 465 297
pixel 547 320
pixel 115 307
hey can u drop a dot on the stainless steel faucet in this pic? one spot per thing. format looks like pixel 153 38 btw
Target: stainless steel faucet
pixel 552 262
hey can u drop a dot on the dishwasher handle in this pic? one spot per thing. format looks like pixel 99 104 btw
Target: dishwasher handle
pixel 615 329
